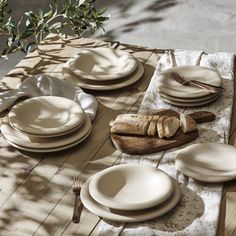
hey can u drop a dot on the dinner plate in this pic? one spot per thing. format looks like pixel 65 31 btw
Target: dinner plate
pixel 208 162
pixel 56 135
pixel 102 64
pixel 122 187
pixel 106 85
pixel 191 104
pixel 168 85
pixel 24 140
pixel 176 99
pixel 60 148
pixel 46 115
pixel 129 216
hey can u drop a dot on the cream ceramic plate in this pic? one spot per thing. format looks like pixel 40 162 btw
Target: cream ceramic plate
pixel 171 87
pixel 131 187
pixel 188 100
pixel 22 139
pixel 60 148
pixel 55 135
pixel 46 115
pixel 128 80
pixel 208 162
pixel 191 104
pixel 102 64
pixel 129 216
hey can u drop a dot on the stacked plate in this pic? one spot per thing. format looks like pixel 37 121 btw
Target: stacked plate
pixel 177 94
pixel 46 124
pixel 130 193
pixel 103 69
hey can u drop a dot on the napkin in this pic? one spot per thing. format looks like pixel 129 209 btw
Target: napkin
pixel 46 85
pixel 198 210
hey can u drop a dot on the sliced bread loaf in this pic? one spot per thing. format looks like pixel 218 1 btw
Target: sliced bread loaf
pixel 187 123
pixel 171 125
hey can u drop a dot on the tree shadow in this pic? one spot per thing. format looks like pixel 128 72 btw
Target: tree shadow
pixel 124 9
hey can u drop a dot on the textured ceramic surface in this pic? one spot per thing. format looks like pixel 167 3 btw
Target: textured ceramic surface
pixel 46 115
pixel 104 85
pixel 171 87
pixel 131 187
pixel 186 100
pixel 191 104
pixel 102 64
pixel 129 216
pixel 24 140
pixel 208 162
pixel 59 148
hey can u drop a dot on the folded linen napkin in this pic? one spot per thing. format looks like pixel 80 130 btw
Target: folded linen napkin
pixel 198 210
pixel 46 85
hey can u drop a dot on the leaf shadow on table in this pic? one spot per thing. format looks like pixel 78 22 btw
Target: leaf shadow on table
pixel 189 208
pixel 124 9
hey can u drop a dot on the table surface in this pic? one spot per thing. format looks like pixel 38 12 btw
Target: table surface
pixel 36 195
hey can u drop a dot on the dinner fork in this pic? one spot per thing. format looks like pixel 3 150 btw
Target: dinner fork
pixel 180 79
pixel 78 204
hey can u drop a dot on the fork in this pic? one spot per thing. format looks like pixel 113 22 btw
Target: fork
pixel 180 79
pixel 78 204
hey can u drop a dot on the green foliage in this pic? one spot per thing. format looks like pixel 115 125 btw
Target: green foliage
pixel 32 28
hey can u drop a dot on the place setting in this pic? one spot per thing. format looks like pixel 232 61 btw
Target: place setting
pixel 189 86
pixel 102 69
pixel 116 193
pixel 46 124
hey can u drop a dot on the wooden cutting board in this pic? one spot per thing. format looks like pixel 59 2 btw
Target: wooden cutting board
pixel 134 144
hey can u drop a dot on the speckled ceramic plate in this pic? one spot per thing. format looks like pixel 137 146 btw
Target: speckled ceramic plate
pixel 129 216
pixel 122 187
pixel 102 64
pixel 103 85
pixel 24 140
pixel 46 115
pixel 168 85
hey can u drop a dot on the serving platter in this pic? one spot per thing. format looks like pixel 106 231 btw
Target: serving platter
pixel 135 144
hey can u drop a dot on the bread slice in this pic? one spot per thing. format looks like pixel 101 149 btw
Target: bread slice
pixel 187 123
pixel 152 129
pixel 160 126
pixel 171 125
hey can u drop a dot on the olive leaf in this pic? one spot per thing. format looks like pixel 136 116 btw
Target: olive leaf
pixel 33 27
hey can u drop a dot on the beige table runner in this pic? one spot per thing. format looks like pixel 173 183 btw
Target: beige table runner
pixel 198 210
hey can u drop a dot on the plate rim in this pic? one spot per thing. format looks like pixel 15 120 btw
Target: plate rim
pixel 87 125
pixel 60 148
pixel 103 200
pixel 204 177
pixel 134 77
pixel 14 121
pixel 142 215
pixel 200 92
pixel 132 66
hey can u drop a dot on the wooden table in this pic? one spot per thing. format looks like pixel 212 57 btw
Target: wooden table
pixel 35 189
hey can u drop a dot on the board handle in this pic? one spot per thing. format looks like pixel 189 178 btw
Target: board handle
pixel 202 116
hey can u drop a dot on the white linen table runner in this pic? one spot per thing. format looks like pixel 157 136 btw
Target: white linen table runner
pixel 198 210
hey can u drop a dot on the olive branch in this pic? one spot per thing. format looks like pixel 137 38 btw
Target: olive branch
pixel 32 28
